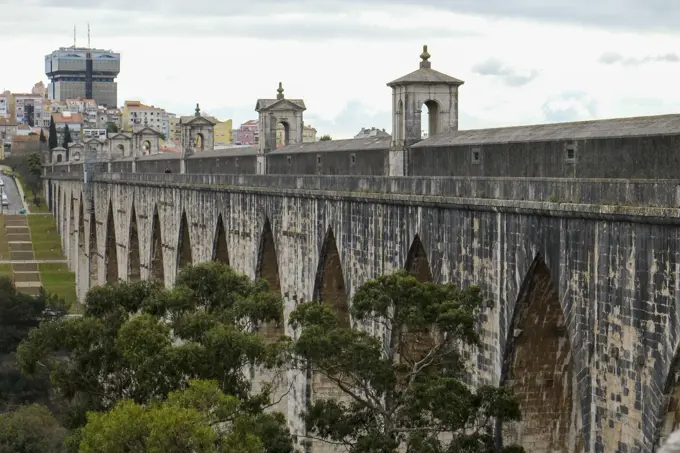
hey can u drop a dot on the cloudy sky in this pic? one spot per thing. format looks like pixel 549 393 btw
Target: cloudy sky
pixel 523 61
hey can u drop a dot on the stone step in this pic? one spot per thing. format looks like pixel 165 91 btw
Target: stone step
pixel 21 256
pixel 20 247
pixel 26 277
pixel 25 267
pixel 21 237
pixel 30 290
pixel 31 284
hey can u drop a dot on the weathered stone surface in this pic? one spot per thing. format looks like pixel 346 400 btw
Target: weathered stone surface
pixel 589 288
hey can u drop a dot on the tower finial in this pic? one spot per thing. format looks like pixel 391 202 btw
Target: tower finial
pixel 425 56
pixel 198 110
pixel 280 91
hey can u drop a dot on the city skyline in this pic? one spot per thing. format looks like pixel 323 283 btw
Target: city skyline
pixel 533 66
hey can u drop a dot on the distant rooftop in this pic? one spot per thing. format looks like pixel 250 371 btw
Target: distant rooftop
pixel 578 130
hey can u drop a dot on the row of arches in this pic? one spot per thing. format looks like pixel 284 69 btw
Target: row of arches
pixel 538 363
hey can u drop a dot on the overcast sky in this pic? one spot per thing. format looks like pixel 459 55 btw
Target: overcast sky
pixel 523 61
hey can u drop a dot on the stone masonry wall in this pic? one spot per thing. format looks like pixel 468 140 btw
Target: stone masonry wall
pixel 598 327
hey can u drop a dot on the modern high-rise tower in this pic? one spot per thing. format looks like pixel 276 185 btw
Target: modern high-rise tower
pixel 80 72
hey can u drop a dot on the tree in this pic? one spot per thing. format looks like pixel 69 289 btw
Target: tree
pixel 53 138
pixel 199 419
pixel 43 139
pixel 30 429
pixel 67 137
pixel 111 127
pixel 125 345
pixel 19 313
pixel 410 390
pixel 325 138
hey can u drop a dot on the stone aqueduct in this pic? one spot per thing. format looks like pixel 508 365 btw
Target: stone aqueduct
pixel 580 272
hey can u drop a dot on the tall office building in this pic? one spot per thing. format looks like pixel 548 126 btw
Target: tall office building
pixel 79 72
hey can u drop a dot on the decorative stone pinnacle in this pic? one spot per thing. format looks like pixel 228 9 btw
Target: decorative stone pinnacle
pixel 425 56
pixel 198 110
pixel 280 91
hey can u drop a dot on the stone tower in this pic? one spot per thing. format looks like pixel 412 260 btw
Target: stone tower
pixel 198 134
pixel 272 112
pixel 427 89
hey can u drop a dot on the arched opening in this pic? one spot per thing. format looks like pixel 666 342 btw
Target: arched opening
pixel 268 269
pixel 72 236
pixel 146 147
pixel 198 142
pixel 330 281
pixel 417 263
pixel 330 289
pixel 59 158
pixel 538 368
pixel 416 344
pixel 282 134
pixel 429 119
pixel 157 271
pixel 81 272
pixel 94 254
pixel 399 122
pixel 134 263
pixel 220 248
pixel 111 251
pixel 76 156
pixel 184 244
pixel 121 149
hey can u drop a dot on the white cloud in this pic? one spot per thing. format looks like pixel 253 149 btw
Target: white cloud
pixel 338 56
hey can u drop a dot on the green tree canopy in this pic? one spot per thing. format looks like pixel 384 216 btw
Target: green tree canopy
pixel 200 419
pixel 43 139
pixel 325 138
pixel 111 127
pixel 53 141
pixel 125 345
pixel 19 313
pixel 411 389
pixel 67 137
pixel 30 429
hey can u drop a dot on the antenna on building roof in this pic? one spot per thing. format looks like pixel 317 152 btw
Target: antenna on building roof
pixel 88 35
pixel 74 36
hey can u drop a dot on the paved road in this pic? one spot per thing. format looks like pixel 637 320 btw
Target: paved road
pixel 12 192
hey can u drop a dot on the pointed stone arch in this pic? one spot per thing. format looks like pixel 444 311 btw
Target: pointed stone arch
pixel 538 368
pixel 81 259
pixel 330 280
pixel 134 262
pixel 94 252
pixel 415 345
pixel 111 250
pixel 72 236
pixel 268 269
pixel 329 289
pixel 184 244
pixel 417 263
pixel 157 269
pixel 220 246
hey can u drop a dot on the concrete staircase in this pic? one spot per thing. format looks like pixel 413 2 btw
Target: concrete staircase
pixel 22 258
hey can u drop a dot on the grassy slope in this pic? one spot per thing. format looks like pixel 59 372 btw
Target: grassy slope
pixel 55 277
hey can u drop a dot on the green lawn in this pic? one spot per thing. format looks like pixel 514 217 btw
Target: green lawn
pixel 6 270
pixel 45 237
pixel 57 279
pixel 4 246
pixel 32 207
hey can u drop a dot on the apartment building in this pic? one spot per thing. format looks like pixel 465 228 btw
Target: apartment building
pixel 223 133
pixel 28 108
pixel 137 116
